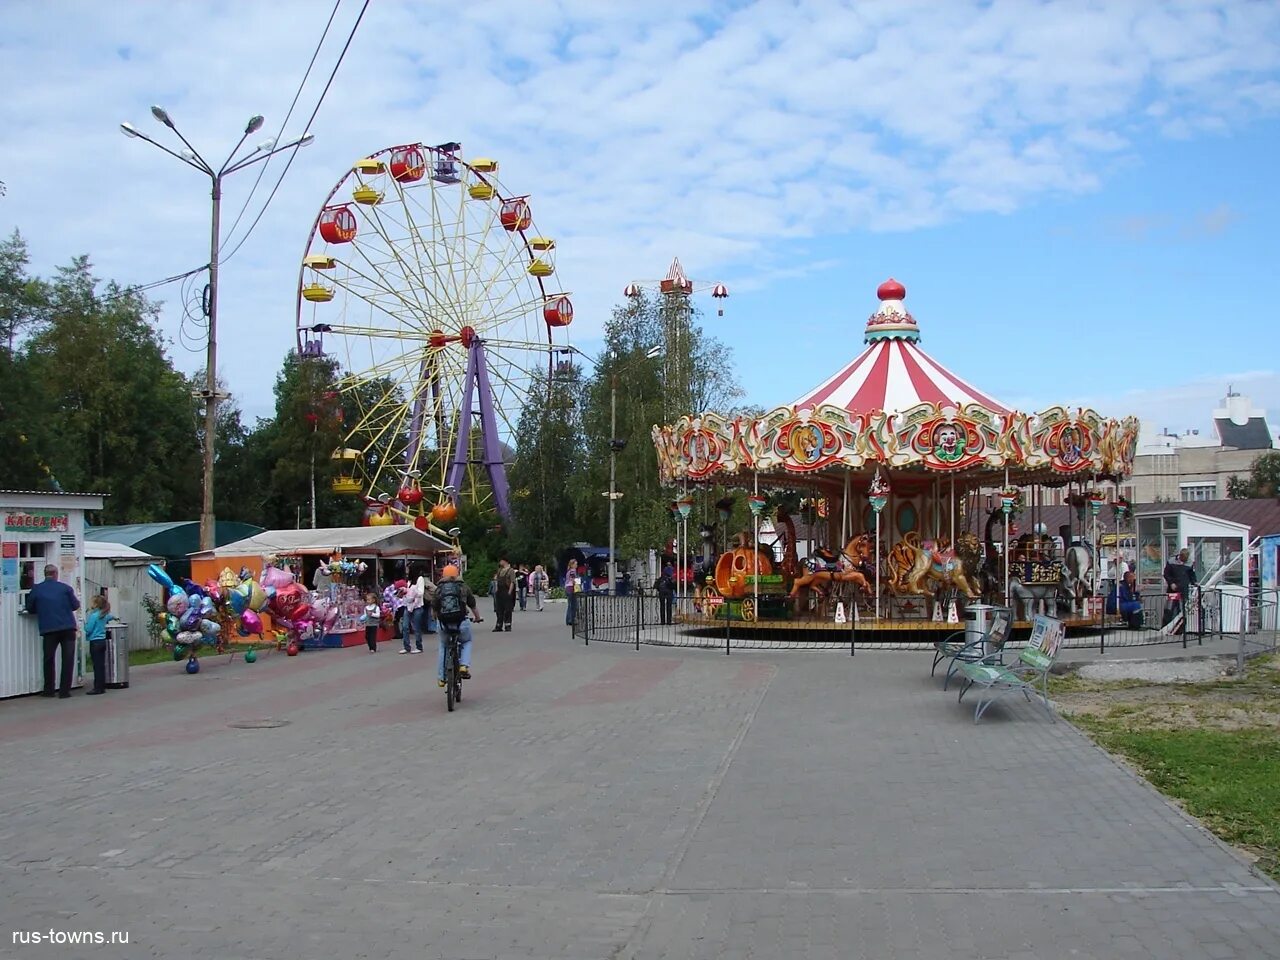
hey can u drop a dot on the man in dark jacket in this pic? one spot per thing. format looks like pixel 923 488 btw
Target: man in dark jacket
pixel 1180 577
pixel 504 599
pixel 54 604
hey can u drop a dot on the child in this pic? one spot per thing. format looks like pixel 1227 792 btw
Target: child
pixel 95 632
pixel 372 615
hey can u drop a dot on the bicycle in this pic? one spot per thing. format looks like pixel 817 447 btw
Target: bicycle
pixel 452 653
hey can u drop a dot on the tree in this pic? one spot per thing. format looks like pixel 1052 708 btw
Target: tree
pixel 693 373
pixel 110 414
pixel 1264 479
pixel 547 465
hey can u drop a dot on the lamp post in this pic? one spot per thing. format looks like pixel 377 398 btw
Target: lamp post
pixel 616 446
pixel 191 157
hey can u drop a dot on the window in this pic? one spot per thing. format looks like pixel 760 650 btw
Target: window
pixel 1198 492
pixel 31 560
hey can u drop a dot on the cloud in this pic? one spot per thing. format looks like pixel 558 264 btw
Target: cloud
pixel 705 129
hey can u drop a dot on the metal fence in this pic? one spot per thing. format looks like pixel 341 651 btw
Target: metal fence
pixel 640 618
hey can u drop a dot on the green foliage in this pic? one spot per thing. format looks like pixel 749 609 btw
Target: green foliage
pixel 1264 479
pixel 101 405
pixel 479 572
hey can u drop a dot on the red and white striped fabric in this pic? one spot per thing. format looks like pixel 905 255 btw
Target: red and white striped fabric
pixel 893 373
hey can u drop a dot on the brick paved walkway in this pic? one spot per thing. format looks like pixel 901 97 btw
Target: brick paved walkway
pixel 595 803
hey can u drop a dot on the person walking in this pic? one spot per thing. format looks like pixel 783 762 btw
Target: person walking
pixel 538 586
pixel 95 634
pixel 427 589
pixel 504 598
pixel 1179 578
pixel 412 618
pixel 370 618
pixel 522 586
pixel 570 594
pixel 666 591
pixel 54 605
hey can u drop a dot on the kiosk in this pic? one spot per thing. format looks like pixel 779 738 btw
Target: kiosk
pixel 39 529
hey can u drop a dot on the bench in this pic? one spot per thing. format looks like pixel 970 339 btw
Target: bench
pixel 1030 675
pixel 989 648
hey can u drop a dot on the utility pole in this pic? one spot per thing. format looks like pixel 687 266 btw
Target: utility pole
pixel 192 158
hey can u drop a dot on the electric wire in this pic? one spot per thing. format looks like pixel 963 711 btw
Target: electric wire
pixel 294 152
pixel 262 169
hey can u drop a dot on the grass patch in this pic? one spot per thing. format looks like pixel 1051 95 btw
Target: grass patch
pixel 1230 779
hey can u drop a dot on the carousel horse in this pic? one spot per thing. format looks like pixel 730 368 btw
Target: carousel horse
pixel 913 566
pixel 859 552
pixel 790 559
pixel 1079 561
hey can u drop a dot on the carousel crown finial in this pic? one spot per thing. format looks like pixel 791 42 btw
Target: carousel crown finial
pixel 891 321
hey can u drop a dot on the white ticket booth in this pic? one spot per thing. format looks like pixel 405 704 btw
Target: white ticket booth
pixel 39 529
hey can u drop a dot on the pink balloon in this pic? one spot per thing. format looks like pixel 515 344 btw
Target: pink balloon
pixel 275 577
pixel 330 618
pixel 251 621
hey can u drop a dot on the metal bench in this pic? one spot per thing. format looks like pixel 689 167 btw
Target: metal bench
pixel 1030 675
pixel 989 648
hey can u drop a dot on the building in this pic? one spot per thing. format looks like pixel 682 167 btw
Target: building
pixel 1194 468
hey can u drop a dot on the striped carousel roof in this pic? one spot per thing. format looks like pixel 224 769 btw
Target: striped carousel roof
pixel 893 373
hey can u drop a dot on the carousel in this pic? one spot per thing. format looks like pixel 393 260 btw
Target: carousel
pixel 913 486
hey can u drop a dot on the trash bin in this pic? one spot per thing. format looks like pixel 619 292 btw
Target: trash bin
pixel 977 621
pixel 117 654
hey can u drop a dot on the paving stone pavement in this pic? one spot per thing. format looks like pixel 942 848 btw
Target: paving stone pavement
pixel 593 803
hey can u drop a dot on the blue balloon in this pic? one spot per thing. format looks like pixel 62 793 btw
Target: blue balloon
pixel 239 602
pixel 157 573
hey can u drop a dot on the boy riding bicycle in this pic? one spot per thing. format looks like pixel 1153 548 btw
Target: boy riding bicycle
pixel 452 600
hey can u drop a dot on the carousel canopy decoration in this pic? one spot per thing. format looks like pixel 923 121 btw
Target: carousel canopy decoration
pixel 896 406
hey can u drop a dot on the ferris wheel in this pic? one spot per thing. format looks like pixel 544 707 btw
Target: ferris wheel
pixel 426 280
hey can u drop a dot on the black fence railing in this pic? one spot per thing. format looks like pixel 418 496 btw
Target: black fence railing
pixel 642 617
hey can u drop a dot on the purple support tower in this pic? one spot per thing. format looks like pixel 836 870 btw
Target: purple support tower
pixel 478 376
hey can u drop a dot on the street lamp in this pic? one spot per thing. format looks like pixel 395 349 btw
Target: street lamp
pixel 616 444
pixel 191 157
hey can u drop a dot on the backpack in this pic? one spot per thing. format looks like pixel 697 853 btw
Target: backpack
pixel 449 605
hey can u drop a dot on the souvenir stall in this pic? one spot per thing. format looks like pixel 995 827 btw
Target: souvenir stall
pixel 337 564
pixel 39 529
pixel 918 476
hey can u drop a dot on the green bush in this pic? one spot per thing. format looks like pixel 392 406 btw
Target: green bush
pixel 479 573
pixel 555 593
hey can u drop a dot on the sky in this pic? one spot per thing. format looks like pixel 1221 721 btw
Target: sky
pixel 1080 198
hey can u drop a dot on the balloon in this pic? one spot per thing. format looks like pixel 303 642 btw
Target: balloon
pixel 209 628
pixel 189 637
pixel 178 603
pixel 157 573
pixel 242 632
pixel 364 618
pixel 250 655
pixel 193 665
pixel 275 577
pixel 257 596
pixel 292 649
pixel 206 606
pixel 289 598
pixel 179 651
pixel 212 589
pixel 239 600
pixel 331 617
pixel 251 622
pixel 171 623
pixel 189 619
